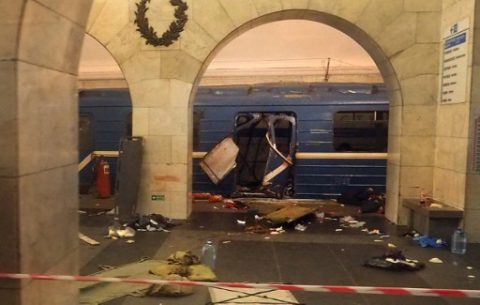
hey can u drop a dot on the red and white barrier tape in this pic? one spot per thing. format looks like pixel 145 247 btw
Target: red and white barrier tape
pixel 428 292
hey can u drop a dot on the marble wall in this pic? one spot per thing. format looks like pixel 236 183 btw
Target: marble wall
pixel 452 125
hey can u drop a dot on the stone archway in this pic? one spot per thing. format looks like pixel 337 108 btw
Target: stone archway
pixel 161 80
pixel 377 54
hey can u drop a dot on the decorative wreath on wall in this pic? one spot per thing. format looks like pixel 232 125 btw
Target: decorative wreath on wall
pixel 170 35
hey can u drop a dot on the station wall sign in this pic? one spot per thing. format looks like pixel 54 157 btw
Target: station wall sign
pixel 455 63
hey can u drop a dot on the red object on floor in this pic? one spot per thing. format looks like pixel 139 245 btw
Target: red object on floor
pixel 215 198
pixel 102 181
pixel 201 195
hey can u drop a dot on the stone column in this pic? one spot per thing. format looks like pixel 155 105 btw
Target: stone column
pixel 38 141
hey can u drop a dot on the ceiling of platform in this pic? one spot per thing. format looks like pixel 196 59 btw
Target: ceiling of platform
pixel 277 47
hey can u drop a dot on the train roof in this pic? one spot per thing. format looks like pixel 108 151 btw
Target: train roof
pixel 104 97
pixel 306 93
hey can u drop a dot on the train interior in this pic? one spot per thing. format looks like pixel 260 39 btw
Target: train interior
pixel 267 145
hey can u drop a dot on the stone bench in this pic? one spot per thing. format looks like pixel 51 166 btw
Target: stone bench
pixel 432 220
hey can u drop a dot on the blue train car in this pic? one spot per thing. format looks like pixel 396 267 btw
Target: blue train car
pixel 330 118
pixel 105 116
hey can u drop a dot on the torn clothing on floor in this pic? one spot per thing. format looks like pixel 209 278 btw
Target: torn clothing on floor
pixel 394 260
pixel 180 266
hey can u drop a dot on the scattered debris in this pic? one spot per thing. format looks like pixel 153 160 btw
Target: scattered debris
pixel 374 232
pixel 276 231
pixel 390 245
pixel 81 212
pixel 427 241
pixel 412 234
pixel 378 240
pixel 338 230
pixel 186 258
pixel 330 218
pixel 215 198
pixel 152 223
pixel 349 221
pixel 320 216
pixel 241 222
pixel 357 224
pixel 114 232
pixel 88 240
pixel 130 241
pixel 369 200
pixel 300 227
pixel 435 260
pixel 226 241
pixel 257 229
pixel 384 236
pixel 289 214
pixel 171 290
pixel 180 266
pixel 201 196
pixel 394 260
pixel 469 267
pixel 471 276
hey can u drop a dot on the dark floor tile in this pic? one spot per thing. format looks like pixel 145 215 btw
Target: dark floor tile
pixel 245 261
pixel 309 264
pixel 118 252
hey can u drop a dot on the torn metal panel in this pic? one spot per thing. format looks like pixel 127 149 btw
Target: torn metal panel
pixel 221 160
pixel 264 149
pixel 289 214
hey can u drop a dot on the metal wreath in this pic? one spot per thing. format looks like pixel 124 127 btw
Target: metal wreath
pixel 170 35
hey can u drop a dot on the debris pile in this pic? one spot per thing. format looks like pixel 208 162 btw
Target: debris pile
pixel 180 266
pixel 290 217
pixel 152 223
pixel 394 260
pixel 368 200
pixel 427 241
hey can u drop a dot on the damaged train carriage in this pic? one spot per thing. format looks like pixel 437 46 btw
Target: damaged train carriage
pixel 261 130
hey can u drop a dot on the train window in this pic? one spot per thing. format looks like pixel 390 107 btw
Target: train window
pixel 128 125
pixel 85 132
pixel 382 116
pixel 197 117
pixel 343 116
pixel 358 131
pixel 364 115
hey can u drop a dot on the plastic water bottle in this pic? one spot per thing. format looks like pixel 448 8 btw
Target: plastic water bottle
pixel 209 254
pixel 459 242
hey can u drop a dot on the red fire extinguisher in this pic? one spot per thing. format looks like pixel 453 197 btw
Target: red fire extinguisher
pixel 102 179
